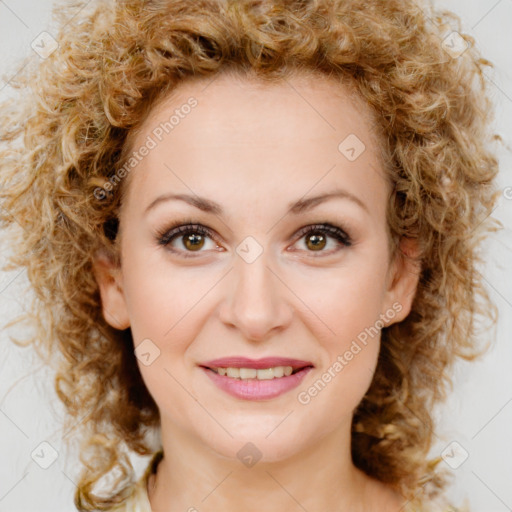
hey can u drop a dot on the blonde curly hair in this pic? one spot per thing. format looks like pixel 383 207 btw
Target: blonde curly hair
pixel 66 135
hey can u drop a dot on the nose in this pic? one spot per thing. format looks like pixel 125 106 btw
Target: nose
pixel 257 303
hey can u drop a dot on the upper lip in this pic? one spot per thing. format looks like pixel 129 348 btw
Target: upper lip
pixel 265 362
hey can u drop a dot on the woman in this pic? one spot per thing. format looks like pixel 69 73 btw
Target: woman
pixel 182 164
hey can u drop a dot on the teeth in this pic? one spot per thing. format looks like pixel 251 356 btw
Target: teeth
pixel 248 373
pixel 278 371
pixel 233 372
pixel 264 374
pixel 253 373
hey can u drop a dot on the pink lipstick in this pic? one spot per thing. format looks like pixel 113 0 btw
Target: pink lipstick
pixel 256 379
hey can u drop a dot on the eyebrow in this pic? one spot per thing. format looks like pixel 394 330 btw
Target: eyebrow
pixel 297 207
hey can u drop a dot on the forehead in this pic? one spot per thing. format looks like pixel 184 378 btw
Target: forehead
pixel 305 102
pixel 242 129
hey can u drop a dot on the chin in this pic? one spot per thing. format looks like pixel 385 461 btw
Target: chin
pixel 258 439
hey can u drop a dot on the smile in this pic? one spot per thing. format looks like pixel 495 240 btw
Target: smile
pixel 261 379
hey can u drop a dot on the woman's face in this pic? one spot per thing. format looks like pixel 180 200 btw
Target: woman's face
pixel 290 261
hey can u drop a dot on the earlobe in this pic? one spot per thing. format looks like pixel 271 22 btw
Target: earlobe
pixel 404 278
pixel 109 279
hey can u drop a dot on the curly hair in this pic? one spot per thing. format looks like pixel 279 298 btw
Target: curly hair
pixel 67 135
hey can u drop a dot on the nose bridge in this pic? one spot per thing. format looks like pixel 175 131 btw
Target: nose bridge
pixel 257 305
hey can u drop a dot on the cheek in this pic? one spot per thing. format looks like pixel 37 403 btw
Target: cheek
pixel 163 301
pixel 345 301
pixel 347 306
pixel 349 340
pixel 168 310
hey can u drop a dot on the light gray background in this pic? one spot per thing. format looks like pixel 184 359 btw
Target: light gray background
pixel 478 415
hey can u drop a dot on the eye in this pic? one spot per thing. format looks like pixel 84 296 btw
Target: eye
pixel 191 236
pixel 316 237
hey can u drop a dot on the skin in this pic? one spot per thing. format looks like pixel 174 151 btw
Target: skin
pixel 254 148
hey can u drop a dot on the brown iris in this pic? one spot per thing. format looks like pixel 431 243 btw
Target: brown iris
pixel 315 241
pixel 193 241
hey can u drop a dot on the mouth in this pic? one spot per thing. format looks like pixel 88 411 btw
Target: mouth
pixel 260 379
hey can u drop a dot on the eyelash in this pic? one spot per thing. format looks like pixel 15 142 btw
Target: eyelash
pixel 166 236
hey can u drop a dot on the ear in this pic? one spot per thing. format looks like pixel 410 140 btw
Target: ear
pixel 403 277
pixel 109 279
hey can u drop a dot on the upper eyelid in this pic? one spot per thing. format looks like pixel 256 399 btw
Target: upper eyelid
pixel 183 227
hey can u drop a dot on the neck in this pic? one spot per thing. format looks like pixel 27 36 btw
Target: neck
pixel 321 476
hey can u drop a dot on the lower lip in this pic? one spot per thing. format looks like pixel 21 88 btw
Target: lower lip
pixel 254 389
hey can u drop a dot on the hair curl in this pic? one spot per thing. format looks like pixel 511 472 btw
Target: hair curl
pixel 67 134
